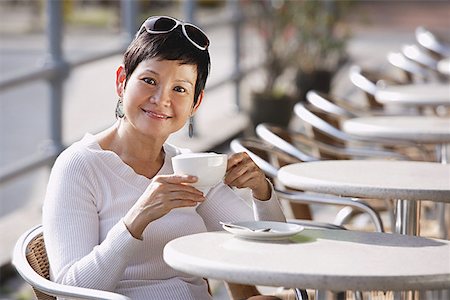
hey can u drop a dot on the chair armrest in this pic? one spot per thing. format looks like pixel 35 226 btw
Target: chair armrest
pixel 364 152
pixel 315 198
pixel 315 225
pixel 61 290
pixel 40 283
pixel 367 152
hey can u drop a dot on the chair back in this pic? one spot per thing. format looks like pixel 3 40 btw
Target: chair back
pixel 368 81
pixel 295 144
pixel 413 71
pixel 299 145
pixel 30 250
pixel 366 85
pixel 268 158
pixel 434 44
pixel 413 52
pixel 426 60
pixel 330 105
pixel 37 257
pixel 315 118
pixel 31 262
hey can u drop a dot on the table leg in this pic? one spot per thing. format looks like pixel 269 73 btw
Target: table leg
pixel 407 295
pixel 329 295
pixel 407 215
pixel 441 208
pixel 443 153
pixel 301 294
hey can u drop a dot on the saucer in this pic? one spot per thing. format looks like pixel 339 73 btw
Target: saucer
pixel 278 230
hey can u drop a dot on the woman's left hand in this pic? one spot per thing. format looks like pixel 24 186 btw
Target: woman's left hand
pixel 242 172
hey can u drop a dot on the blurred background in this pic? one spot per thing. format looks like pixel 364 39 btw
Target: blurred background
pixel 58 61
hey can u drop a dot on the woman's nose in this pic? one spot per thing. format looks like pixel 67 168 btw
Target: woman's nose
pixel 161 96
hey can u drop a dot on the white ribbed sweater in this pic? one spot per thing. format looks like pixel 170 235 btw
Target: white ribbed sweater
pixel 88 245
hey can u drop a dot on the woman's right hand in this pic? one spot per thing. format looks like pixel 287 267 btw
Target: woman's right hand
pixel 165 193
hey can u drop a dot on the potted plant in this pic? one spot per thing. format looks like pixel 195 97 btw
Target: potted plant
pixel 304 37
pixel 274 102
pixel 321 37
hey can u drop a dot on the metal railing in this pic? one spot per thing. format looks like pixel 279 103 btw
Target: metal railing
pixel 56 70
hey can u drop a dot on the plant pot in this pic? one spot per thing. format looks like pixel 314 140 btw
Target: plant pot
pixel 268 109
pixel 319 80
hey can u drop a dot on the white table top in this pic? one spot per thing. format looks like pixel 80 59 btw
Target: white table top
pixel 434 130
pixel 317 259
pixel 379 179
pixel 443 66
pixel 432 94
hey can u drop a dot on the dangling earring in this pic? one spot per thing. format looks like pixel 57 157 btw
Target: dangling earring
pixel 191 126
pixel 119 109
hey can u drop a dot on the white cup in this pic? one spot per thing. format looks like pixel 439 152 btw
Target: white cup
pixel 209 167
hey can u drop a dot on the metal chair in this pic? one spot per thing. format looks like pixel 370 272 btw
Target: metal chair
pixel 430 41
pixel 303 147
pixel 270 159
pixel 368 81
pixel 356 146
pixel 426 60
pixel 31 262
pixel 330 104
pixel 414 53
pixel 338 107
pixel 296 144
pixel 413 71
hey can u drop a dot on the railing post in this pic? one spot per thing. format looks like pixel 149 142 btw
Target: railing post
pixel 189 7
pixel 129 10
pixel 189 10
pixel 56 59
pixel 237 21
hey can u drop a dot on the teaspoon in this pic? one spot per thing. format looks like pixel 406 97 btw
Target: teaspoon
pixel 245 228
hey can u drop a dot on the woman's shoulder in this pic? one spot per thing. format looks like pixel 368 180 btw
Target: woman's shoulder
pixel 79 152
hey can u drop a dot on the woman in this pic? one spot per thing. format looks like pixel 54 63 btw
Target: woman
pixel 112 200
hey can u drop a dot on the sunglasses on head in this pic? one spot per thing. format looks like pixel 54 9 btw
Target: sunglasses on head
pixel 163 24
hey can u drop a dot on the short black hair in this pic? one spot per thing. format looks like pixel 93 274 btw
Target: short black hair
pixel 168 46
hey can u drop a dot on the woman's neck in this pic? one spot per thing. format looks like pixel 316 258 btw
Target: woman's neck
pixel 142 153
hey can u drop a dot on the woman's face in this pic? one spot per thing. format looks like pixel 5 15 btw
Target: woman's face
pixel 159 96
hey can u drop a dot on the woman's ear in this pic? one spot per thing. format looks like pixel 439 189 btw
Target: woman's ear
pixel 199 101
pixel 120 80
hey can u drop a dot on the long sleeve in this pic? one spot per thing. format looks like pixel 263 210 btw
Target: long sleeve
pixel 71 229
pixel 269 210
pixel 224 204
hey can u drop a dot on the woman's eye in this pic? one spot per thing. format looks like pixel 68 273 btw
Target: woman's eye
pixel 180 89
pixel 149 81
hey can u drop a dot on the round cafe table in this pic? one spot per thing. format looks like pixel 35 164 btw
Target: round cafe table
pixel 443 66
pixel 420 129
pixel 419 94
pixel 320 259
pixel 409 181
pixel 416 129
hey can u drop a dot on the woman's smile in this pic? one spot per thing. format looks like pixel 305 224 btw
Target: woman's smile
pixel 156 115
